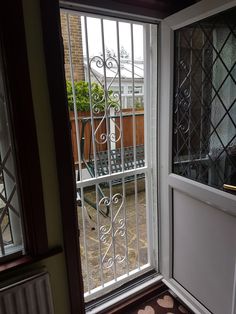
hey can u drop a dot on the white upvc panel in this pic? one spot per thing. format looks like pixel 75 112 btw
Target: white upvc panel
pixel 198 11
pixel 216 198
pixel 165 146
pixel 167 180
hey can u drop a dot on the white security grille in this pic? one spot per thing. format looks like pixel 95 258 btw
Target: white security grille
pixel 10 224
pixel 108 132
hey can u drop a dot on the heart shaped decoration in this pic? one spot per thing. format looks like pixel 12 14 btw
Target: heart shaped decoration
pixel 182 309
pixel 166 302
pixel 148 310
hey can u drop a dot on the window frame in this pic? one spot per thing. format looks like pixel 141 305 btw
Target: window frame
pixel 54 58
pixel 53 50
pixel 25 148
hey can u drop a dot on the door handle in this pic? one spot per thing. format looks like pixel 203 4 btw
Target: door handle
pixel 229 187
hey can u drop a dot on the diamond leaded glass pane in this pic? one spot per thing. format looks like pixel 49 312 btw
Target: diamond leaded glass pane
pixel 204 113
pixel 10 222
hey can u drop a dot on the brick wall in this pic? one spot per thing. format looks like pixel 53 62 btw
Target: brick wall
pixel 76 46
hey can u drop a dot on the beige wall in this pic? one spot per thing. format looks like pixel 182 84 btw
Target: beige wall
pixel 56 264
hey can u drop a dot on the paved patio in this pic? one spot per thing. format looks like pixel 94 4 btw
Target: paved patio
pixel 92 270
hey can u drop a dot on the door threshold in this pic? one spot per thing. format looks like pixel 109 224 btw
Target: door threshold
pixel 178 291
pixel 131 296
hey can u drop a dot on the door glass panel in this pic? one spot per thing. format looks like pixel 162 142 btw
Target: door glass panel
pixel 204 113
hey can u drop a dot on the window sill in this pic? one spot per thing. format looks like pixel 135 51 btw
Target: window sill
pixel 27 260
pixel 123 302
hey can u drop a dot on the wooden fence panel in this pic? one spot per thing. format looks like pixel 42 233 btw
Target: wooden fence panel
pixel 128 128
pixel 127 132
pixel 88 146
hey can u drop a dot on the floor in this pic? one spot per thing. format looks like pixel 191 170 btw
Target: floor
pixel 165 303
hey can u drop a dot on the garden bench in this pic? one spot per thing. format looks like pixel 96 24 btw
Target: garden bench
pixel 102 164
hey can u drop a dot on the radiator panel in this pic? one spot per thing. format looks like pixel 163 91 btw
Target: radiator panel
pixel 30 296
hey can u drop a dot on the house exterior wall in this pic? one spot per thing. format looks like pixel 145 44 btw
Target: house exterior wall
pixel 76 46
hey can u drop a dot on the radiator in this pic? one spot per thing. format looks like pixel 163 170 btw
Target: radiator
pixel 29 296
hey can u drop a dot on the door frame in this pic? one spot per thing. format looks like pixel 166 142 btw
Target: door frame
pixel 167 180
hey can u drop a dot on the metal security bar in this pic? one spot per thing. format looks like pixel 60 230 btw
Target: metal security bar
pixel 110 164
pixel 10 221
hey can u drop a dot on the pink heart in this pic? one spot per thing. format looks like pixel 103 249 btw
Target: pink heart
pixel 148 310
pixel 166 302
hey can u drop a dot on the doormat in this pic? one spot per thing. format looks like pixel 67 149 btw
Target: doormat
pixel 165 303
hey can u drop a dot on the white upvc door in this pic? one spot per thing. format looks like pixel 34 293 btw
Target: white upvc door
pixel 197 221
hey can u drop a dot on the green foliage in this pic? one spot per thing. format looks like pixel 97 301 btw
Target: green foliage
pixel 82 95
pixel 97 94
pixel 138 105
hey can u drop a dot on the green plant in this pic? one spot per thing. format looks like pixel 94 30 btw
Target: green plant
pixel 82 97
pixel 138 105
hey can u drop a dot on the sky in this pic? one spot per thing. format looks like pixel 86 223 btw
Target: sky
pixel 110 37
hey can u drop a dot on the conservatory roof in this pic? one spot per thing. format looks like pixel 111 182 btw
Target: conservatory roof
pixel 112 69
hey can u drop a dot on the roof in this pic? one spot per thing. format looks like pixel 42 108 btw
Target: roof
pixel 112 69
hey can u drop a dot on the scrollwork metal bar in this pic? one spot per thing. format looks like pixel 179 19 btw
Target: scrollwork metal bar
pixel 99 237
pixel 126 234
pixel 113 233
pixel 74 97
pixel 108 233
pixel 90 96
pixel 106 93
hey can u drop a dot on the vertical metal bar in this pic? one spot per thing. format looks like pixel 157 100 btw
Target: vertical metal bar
pixel 149 141
pixel 121 106
pixel 122 147
pixel 134 147
pixel 126 229
pixel 90 96
pixel 99 237
pixel 137 217
pixel 107 112
pixel 87 268
pixel 133 107
pixel 74 98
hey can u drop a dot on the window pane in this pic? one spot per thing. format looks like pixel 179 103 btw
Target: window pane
pixel 10 222
pixel 204 139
